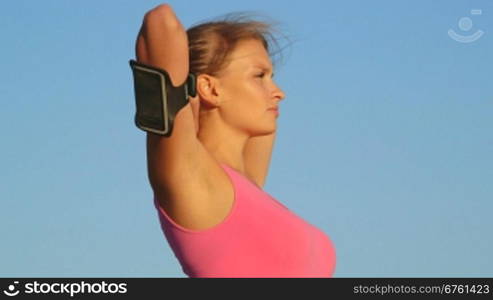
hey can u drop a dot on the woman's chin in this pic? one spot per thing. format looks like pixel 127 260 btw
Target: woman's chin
pixel 265 131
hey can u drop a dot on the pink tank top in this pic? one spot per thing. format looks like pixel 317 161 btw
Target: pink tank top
pixel 260 237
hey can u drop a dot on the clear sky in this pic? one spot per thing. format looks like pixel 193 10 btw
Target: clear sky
pixel 385 137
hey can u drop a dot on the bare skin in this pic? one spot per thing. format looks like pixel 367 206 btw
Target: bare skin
pixel 240 98
pixel 229 122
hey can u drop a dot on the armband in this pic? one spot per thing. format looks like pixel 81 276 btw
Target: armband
pixel 157 100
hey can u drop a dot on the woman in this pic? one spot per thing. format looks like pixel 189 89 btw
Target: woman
pixel 207 177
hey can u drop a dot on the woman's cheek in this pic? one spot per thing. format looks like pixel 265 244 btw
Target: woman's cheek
pixel 261 87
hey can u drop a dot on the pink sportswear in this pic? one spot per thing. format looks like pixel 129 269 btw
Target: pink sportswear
pixel 260 237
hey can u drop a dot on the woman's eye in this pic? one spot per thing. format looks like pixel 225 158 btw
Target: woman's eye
pixel 260 75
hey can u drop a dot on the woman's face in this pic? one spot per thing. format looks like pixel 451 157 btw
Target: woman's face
pixel 248 90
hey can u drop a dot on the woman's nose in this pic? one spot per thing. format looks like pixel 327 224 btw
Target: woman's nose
pixel 278 93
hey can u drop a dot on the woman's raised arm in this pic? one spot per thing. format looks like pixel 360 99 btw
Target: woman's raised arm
pixel 171 161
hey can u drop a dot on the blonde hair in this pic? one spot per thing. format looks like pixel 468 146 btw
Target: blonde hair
pixel 211 42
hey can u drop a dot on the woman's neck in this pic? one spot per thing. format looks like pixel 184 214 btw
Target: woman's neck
pixel 223 143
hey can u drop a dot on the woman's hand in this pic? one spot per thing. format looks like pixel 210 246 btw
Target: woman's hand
pixel 195 104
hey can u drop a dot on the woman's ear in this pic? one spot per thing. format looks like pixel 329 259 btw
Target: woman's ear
pixel 207 89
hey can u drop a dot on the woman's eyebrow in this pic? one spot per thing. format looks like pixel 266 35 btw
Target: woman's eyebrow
pixel 264 68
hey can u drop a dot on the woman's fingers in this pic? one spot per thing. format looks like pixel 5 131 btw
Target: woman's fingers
pixel 195 104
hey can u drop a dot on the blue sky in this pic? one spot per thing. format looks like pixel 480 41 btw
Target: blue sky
pixel 384 139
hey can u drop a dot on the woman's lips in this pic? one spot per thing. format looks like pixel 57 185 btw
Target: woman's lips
pixel 275 110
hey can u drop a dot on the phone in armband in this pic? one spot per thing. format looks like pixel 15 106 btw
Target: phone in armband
pixel 157 100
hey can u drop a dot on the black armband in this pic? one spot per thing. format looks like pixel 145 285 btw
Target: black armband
pixel 157 100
